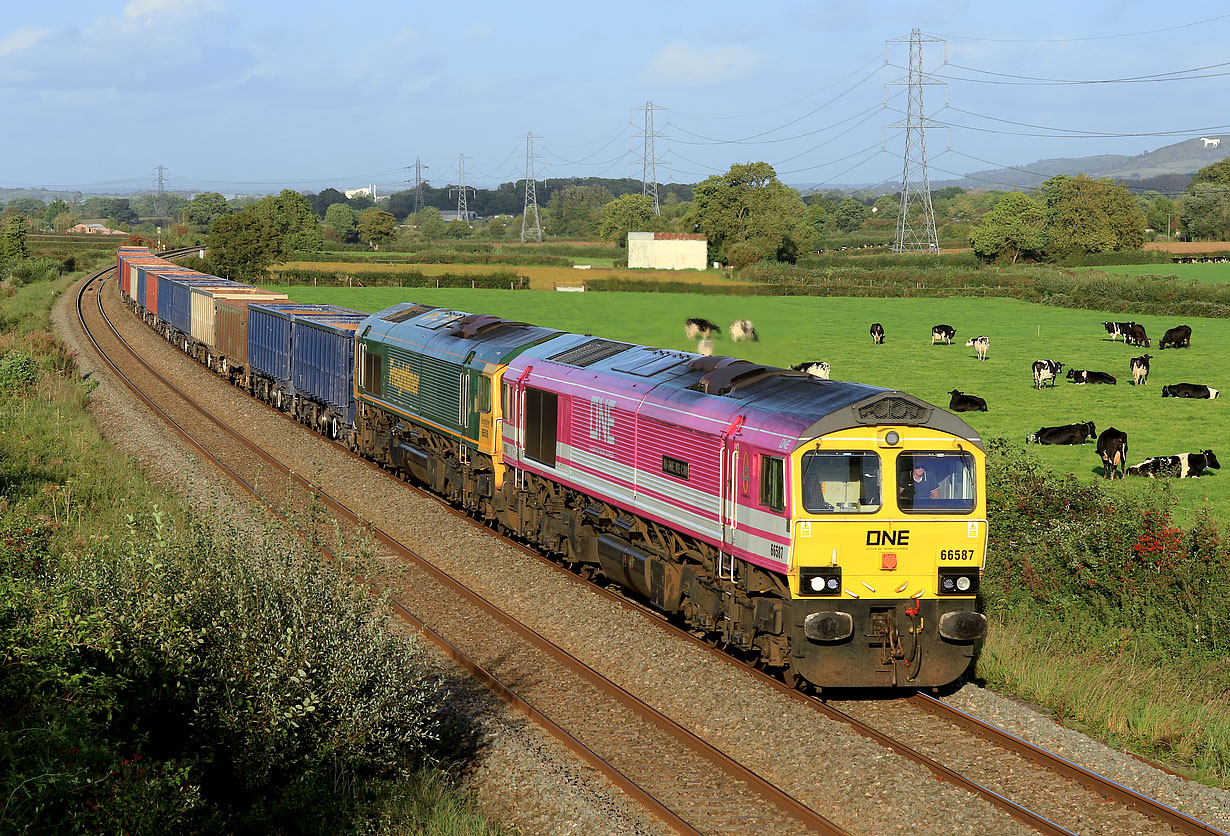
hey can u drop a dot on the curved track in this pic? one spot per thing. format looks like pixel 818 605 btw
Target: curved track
pixel 703 791
pixel 669 804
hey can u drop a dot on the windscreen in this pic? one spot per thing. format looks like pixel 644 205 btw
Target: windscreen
pixel 837 482
pixel 930 482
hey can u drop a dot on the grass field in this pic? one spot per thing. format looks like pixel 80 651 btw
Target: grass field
pixel 1214 273
pixel 835 329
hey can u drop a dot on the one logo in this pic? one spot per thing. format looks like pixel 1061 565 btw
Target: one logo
pixel 971 530
pixel 888 538
pixel 602 420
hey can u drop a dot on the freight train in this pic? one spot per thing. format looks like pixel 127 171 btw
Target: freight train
pixel 833 531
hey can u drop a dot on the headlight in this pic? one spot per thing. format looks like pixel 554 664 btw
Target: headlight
pixel 820 580
pixel 963 581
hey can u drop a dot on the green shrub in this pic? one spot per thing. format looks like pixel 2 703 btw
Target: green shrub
pixel 36 270
pixel 17 371
pixel 496 279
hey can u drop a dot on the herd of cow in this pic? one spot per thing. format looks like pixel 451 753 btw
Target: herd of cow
pixel 1112 444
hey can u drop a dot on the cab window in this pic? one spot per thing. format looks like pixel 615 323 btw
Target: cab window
pixel 841 482
pixel 936 482
pixel 772 483
pixel 484 394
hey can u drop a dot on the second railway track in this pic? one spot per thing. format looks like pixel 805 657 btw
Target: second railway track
pixel 733 806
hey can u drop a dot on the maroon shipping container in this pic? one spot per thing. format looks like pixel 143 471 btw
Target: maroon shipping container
pixel 231 328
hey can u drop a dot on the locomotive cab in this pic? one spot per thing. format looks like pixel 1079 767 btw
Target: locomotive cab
pixel 889 539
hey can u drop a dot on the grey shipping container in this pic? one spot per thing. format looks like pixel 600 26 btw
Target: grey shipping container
pixel 269 335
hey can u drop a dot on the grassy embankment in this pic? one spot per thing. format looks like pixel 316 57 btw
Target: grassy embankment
pixel 163 675
pixel 1112 663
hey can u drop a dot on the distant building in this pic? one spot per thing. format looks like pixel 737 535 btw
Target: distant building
pixel 94 229
pixel 668 250
pixel 366 191
pixel 469 216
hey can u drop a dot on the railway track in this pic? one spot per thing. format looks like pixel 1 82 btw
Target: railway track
pixel 732 803
pixel 702 790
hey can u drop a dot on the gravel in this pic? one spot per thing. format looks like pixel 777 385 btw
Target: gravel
pixel 521 774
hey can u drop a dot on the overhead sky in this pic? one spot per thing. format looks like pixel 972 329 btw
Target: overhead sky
pixel 253 95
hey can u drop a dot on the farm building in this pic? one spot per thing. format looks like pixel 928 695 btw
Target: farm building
pixel 668 250
pixel 94 229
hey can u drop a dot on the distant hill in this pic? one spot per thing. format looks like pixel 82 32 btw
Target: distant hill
pixel 1168 169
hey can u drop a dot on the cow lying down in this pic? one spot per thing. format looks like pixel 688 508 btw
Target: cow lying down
pixel 1069 434
pixel 1180 466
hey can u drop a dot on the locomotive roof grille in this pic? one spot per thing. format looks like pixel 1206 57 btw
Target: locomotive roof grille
pixel 588 353
pixel 406 313
pixel 893 409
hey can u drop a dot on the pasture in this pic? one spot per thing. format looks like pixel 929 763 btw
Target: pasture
pixel 1211 272
pixel 794 329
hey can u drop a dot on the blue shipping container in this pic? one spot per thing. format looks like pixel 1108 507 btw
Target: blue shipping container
pixel 269 333
pixel 139 272
pixel 322 359
pixel 175 297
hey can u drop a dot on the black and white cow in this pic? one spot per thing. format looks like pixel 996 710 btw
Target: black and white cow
pixel 960 402
pixel 1112 448
pixel 815 368
pixel 1140 369
pixel 1179 336
pixel 742 330
pixel 1045 370
pixel 1181 466
pixel 1082 376
pixel 1118 329
pixel 1189 390
pixel 979 344
pixel 942 333
pixel 1136 335
pixel 698 327
pixel 1070 434
pixel 877 333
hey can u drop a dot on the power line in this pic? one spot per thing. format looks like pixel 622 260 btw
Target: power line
pixel 1090 38
pixel 1153 76
pixel 859 69
pixel 418 184
pixel 463 209
pixel 749 139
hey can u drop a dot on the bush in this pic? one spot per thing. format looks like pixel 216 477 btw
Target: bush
pixel 1113 560
pixel 497 279
pixel 17 371
pixel 37 270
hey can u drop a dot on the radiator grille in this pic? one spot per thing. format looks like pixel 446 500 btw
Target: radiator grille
pixel 893 409
pixel 586 354
pixel 406 313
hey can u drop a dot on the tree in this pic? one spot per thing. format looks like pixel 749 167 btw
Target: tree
pixel 456 229
pixel 327 197
pixel 430 223
pixel 1205 211
pixel 574 209
pixel 850 214
pixel 630 213
pixel 64 221
pixel 749 215
pixel 243 245
pixel 1087 215
pixel 291 214
pixel 13 240
pixel 204 209
pixel 54 208
pixel 1014 227
pixel 376 226
pixel 343 220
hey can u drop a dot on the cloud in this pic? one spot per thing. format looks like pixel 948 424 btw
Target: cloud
pixel 23 38
pixel 174 8
pixel 682 64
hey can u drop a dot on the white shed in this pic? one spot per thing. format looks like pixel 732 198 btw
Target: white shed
pixel 668 250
